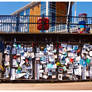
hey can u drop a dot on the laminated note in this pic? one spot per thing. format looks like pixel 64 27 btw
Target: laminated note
pixel 84 73
pixel 45 76
pixel 70 54
pixel 69 47
pixel 75 47
pixel 64 45
pixel 90 72
pixel 90 53
pixel 60 76
pixel 13 74
pixel 40 75
pixel 53 76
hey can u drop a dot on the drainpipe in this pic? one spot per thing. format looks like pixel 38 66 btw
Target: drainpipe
pixel 47 8
pixel 75 12
pixel 68 17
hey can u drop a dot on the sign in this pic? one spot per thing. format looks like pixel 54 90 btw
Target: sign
pixel 43 23
pixel 59 76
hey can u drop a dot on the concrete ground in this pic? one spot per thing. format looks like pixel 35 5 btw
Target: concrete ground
pixel 47 86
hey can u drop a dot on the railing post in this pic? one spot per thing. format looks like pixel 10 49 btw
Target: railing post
pixel 17 23
pixel 68 24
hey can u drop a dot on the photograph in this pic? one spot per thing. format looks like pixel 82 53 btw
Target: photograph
pixel 45 45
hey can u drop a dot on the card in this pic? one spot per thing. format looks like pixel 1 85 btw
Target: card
pixel 6 63
pixel 51 58
pixel 85 46
pixel 60 69
pixel 22 62
pixel 90 53
pixel 22 57
pixel 54 51
pixel 87 73
pixel 75 47
pixel 45 76
pixel 69 47
pixel 90 47
pixel 48 48
pixel 78 58
pixel 49 66
pixel 79 70
pixel 49 73
pixel 50 53
pixel 60 76
pixel 84 73
pixel 53 76
pixel 51 47
pixel 40 75
pixel 76 71
pixel 64 45
pixel 55 56
pixel 90 72
pixel 41 71
pixel 37 50
pixel 7 58
pixel 84 51
pixel 40 66
pixel 20 75
pixel 54 66
pixel 32 54
pixel 14 63
pixel 70 71
pixel 41 54
pixel 13 74
pixel 67 60
pixel 37 55
pixel 70 54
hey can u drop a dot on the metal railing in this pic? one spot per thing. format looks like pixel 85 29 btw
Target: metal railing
pixel 28 24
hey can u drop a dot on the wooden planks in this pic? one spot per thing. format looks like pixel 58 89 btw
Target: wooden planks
pixel 36 10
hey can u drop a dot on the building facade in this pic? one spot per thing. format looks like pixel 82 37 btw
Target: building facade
pixel 49 9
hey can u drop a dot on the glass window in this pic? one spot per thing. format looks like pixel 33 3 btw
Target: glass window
pixel 43 8
pixel 52 14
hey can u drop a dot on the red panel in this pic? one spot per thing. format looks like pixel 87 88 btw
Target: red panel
pixel 43 24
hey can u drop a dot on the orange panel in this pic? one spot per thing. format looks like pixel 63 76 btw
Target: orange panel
pixel 61 10
pixel 36 10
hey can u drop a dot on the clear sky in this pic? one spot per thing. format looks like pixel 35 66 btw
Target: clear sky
pixel 83 7
pixel 6 8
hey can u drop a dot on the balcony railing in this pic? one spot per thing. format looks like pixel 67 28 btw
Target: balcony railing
pixel 62 24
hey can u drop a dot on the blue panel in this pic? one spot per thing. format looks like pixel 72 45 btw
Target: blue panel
pixel 52 14
pixel 43 8
pixel 22 13
pixel 25 27
pixel 43 11
pixel 28 13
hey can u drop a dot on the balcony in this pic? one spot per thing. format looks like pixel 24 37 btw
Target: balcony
pixel 28 24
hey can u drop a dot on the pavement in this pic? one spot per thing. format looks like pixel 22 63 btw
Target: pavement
pixel 47 86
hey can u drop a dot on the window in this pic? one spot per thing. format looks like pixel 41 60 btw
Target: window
pixel 43 8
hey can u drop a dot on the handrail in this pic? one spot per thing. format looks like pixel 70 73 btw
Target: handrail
pixel 14 23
